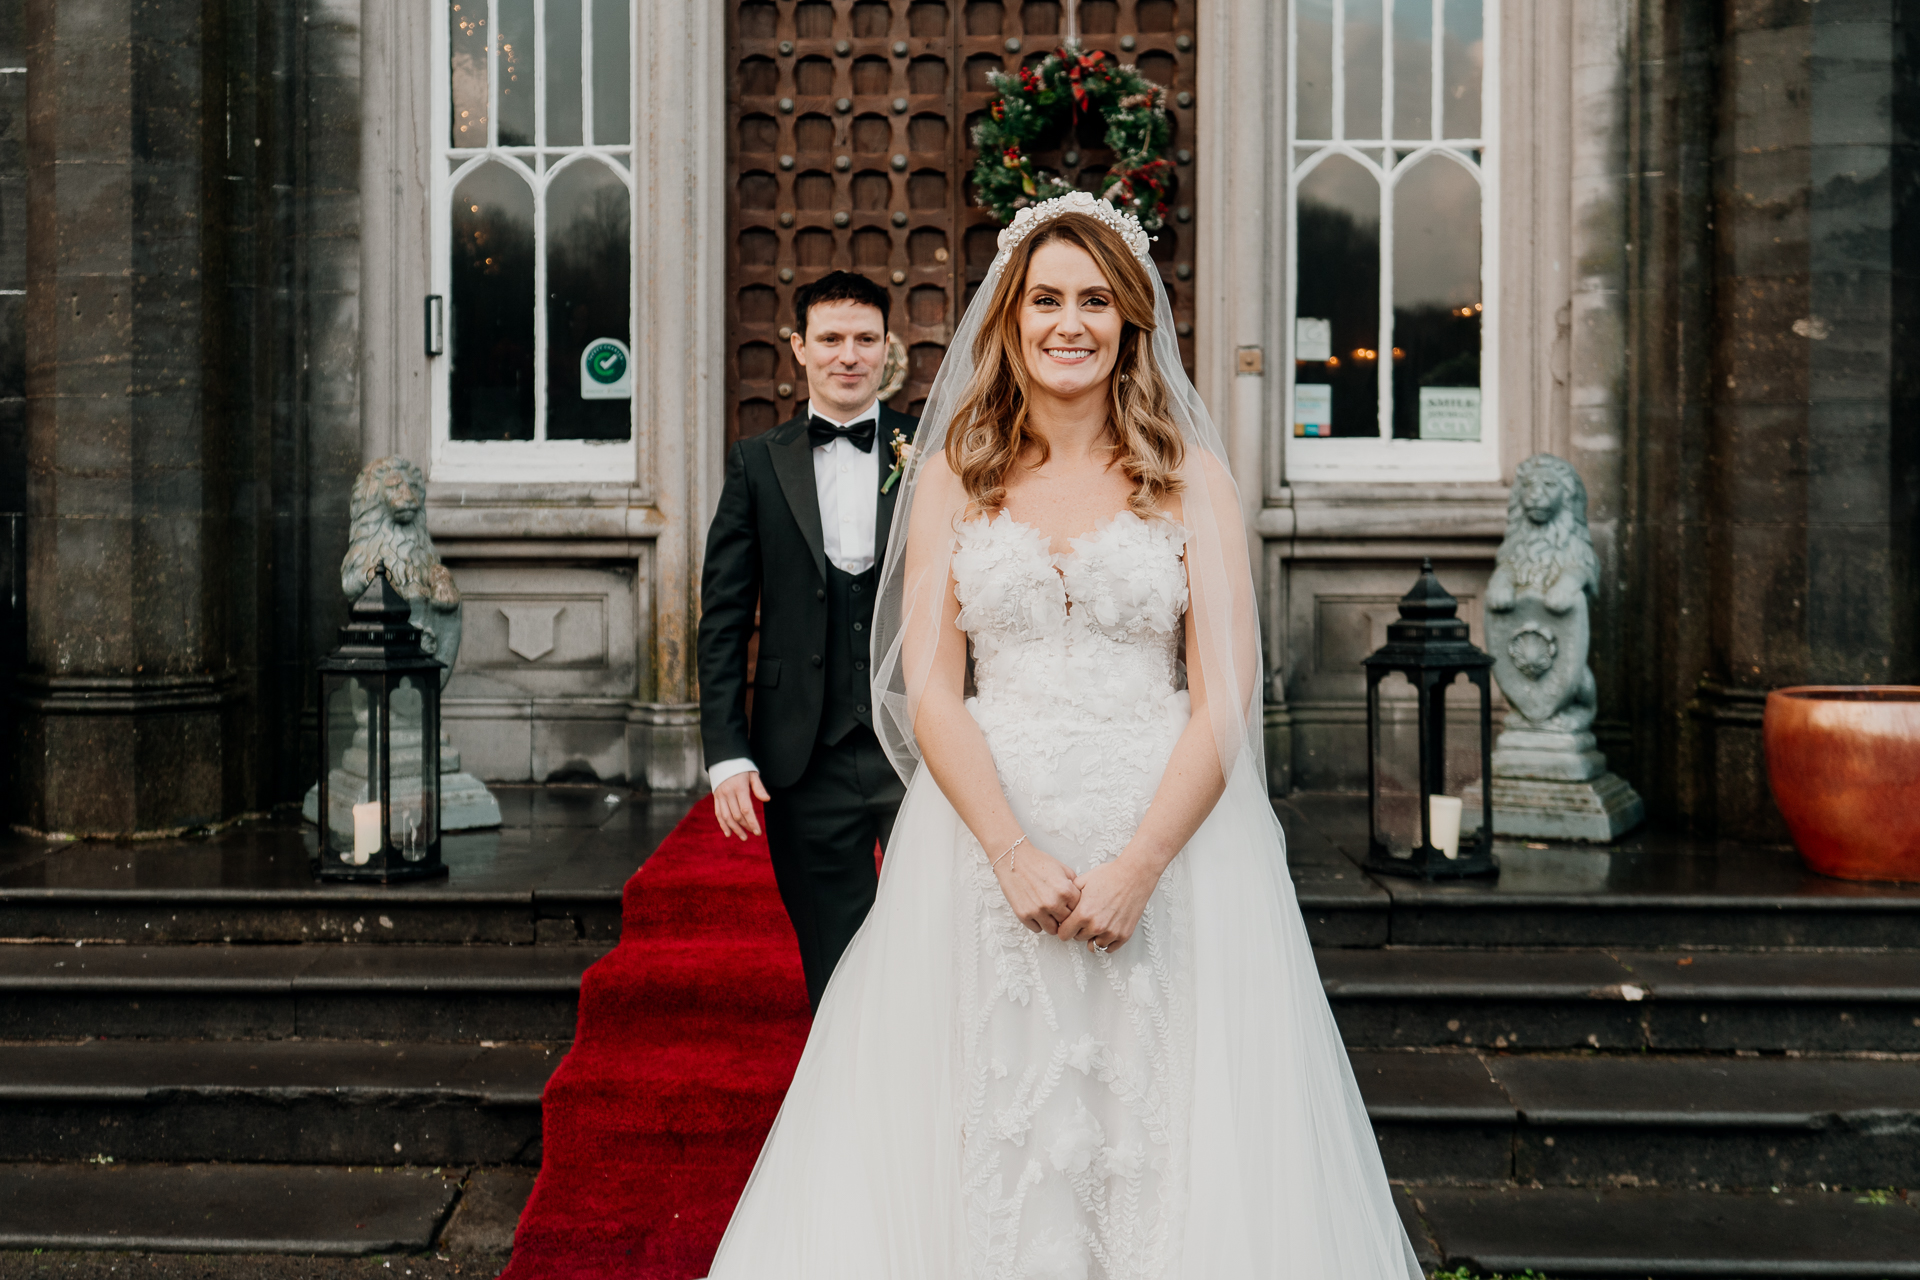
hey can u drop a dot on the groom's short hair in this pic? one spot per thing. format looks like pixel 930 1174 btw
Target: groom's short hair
pixel 839 286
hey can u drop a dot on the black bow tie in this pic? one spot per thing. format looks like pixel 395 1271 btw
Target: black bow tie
pixel 859 434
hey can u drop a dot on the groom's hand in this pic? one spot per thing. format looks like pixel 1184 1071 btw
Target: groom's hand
pixel 733 804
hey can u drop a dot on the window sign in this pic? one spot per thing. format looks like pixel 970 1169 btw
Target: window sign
pixel 606 370
pixel 534 238
pixel 1449 413
pixel 1312 339
pixel 1390 183
pixel 1312 409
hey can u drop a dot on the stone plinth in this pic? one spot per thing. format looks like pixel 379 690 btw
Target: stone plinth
pixel 1598 809
pixel 1548 755
pixel 1555 786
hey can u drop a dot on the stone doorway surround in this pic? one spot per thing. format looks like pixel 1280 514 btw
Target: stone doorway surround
pixel 616 565
pixel 1320 545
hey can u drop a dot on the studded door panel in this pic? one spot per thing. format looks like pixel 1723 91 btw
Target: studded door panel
pixel 849 145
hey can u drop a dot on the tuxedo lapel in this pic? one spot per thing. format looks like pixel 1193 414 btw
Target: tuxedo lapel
pixel 792 456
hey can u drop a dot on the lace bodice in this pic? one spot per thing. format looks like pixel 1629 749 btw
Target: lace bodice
pixel 1087 641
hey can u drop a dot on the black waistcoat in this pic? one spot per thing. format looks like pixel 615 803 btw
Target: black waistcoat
pixel 849 640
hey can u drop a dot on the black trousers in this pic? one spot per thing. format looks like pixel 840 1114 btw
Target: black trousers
pixel 821 832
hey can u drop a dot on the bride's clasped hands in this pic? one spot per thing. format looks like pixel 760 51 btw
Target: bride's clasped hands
pixel 1042 893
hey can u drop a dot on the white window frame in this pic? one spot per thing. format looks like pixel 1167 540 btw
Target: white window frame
pixel 539 459
pixel 1363 458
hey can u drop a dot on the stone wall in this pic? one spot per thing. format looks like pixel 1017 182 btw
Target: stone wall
pixel 13 354
pixel 1773 475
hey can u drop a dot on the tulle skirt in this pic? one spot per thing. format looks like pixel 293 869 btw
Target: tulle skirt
pixel 860 1178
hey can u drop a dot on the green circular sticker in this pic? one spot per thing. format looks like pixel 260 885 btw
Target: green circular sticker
pixel 606 363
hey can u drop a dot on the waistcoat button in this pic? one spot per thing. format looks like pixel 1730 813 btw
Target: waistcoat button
pixel 820 593
pixel 816 659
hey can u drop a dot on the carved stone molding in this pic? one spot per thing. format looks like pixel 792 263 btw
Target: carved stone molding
pixel 124 695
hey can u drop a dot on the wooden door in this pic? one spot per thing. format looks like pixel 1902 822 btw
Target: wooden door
pixel 849 145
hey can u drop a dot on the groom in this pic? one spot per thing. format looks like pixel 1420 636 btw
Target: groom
pixel 800 531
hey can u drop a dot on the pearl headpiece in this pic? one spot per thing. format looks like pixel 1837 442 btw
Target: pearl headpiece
pixel 1029 218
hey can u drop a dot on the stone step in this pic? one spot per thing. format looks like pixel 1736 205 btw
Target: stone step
pixel 1648 891
pixel 285 1101
pixel 1440 1116
pixel 318 992
pixel 1633 1232
pixel 434 912
pixel 1672 1001
pixel 1602 1119
pixel 225 1208
pixel 552 873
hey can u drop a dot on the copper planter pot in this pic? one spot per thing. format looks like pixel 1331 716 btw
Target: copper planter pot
pixel 1844 764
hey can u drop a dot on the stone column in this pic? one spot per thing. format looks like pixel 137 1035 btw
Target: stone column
pixel 1814 470
pixel 1778 473
pixel 679 353
pixel 127 697
pixel 1599 247
pixel 1240 298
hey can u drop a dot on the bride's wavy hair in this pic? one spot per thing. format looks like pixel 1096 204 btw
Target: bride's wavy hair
pixel 991 426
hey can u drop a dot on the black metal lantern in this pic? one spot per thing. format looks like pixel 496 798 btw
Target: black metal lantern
pixel 380 746
pixel 1430 808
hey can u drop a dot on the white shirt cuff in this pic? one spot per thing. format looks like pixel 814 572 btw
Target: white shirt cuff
pixel 719 773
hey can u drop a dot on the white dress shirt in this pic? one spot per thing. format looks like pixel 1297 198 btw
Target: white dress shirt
pixel 847 482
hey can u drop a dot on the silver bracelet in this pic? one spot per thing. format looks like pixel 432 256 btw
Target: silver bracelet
pixel 994 865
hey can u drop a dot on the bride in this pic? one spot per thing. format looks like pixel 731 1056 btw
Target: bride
pixel 1080 1036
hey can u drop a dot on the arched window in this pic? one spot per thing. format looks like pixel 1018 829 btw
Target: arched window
pixel 1391 179
pixel 533 237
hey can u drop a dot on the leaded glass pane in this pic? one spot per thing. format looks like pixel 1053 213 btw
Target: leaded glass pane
pixel 467 65
pixel 515 72
pixel 1436 301
pixel 1413 68
pixel 564 127
pixel 588 238
pixel 491 381
pixel 1464 50
pixel 1336 392
pixel 1313 89
pixel 612 107
pixel 1362 31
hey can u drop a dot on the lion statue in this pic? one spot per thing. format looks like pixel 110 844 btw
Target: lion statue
pixel 1548 550
pixel 387 525
pixel 1545 580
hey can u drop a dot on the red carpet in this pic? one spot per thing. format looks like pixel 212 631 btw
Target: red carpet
pixel 689 1033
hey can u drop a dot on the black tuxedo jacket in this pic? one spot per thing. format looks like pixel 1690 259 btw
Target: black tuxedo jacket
pixel 765 547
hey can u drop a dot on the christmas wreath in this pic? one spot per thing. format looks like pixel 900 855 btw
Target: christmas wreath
pixel 1045 100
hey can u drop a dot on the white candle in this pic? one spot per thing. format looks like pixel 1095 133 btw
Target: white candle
pixel 366 831
pixel 1443 813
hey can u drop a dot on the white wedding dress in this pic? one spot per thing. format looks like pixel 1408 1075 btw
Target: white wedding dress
pixel 980 1101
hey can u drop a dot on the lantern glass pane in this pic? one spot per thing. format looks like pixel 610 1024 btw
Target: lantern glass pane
pixel 353 767
pixel 416 765
pixel 1460 768
pixel 1396 766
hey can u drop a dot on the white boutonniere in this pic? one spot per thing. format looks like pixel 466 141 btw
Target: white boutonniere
pixel 902 455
